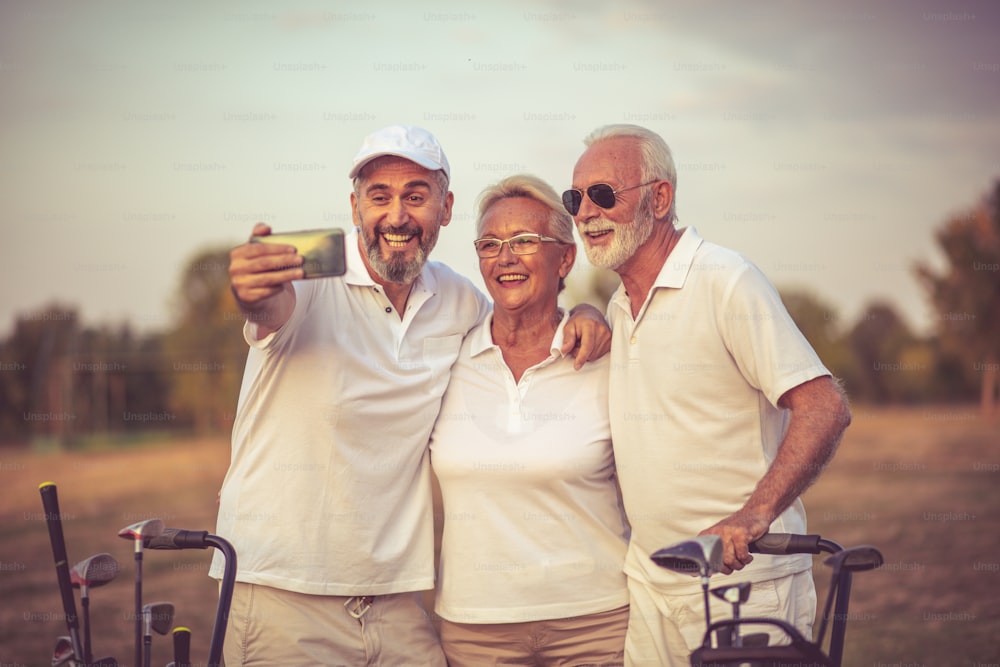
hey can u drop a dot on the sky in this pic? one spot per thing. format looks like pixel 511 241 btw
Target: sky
pixel 825 141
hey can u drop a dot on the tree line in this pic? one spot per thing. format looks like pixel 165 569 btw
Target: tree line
pixel 65 384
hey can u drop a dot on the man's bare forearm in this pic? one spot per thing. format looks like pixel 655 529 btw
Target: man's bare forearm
pixel 819 416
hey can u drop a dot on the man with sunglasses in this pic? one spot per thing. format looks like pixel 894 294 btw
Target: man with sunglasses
pixel 721 412
pixel 328 495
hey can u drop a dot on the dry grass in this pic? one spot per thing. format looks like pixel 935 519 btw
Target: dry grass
pixel 920 483
pixel 100 493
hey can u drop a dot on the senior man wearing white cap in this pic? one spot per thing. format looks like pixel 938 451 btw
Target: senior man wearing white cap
pixel 328 495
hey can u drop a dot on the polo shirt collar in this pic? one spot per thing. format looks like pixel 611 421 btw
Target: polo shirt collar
pixel 357 270
pixel 481 339
pixel 673 274
pixel 675 269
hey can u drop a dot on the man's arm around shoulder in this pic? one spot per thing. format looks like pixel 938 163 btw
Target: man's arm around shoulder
pixel 587 335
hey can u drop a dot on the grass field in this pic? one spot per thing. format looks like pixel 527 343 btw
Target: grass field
pixel 923 484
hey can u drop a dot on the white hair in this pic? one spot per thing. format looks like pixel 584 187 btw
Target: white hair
pixel 535 189
pixel 656 160
pixel 529 187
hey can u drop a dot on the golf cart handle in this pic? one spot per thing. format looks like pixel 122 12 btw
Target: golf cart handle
pixel 178 538
pixel 778 544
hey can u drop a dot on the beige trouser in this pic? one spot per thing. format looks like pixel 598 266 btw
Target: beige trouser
pixel 664 630
pixel 270 626
pixel 592 640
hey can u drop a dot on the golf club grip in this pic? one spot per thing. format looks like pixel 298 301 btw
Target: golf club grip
pixel 182 647
pixel 50 502
pixel 778 544
pixel 177 538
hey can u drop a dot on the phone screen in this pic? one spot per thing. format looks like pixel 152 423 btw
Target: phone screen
pixel 322 250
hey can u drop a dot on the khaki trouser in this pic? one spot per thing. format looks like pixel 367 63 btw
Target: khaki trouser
pixel 581 641
pixel 663 630
pixel 270 626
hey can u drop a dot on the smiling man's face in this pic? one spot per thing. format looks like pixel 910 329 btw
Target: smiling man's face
pixel 611 236
pixel 400 207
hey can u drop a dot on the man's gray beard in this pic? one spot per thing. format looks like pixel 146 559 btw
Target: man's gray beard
pixel 397 269
pixel 627 238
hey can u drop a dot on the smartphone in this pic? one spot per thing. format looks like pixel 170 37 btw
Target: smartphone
pixel 323 250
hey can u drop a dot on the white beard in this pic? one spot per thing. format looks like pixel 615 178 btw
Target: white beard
pixel 627 238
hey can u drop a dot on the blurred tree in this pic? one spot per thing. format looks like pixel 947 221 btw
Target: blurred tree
pixel 38 389
pixel 119 384
pixel 61 381
pixel 877 341
pixel 205 351
pixel 966 293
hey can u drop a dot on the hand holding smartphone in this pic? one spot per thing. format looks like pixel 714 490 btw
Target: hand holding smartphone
pixel 321 249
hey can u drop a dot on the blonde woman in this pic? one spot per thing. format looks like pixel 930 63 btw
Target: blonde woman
pixel 534 534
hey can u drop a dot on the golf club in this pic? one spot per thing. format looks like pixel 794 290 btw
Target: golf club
pixel 701 556
pixel 137 532
pixel 92 572
pixel 63 651
pixel 53 519
pixel 182 648
pixel 63 654
pixel 734 594
pixel 158 617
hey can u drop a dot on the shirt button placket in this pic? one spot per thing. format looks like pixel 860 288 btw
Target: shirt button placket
pixel 514 418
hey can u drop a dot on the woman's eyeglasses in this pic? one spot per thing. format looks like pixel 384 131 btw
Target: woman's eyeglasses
pixel 521 244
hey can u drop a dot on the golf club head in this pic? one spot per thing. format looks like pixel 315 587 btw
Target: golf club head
pixel 855 559
pixel 733 593
pixel 142 529
pixel 159 617
pixel 95 571
pixel 699 556
pixel 63 652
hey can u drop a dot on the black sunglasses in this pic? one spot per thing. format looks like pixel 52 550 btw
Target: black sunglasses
pixel 601 194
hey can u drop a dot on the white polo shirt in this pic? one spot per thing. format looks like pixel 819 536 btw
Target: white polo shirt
pixel 533 527
pixel 695 382
pixel 328 491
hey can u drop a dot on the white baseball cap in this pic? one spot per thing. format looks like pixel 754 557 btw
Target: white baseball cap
pixel 407 141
